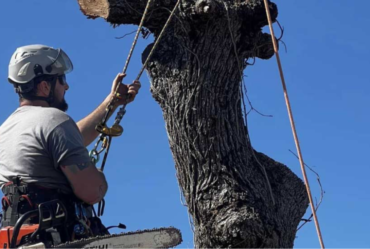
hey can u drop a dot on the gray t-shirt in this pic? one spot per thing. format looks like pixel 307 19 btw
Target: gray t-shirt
pixel 35 141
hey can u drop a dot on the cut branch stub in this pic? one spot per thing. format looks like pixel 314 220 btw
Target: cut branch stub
pixel 119 12
pixel 94 8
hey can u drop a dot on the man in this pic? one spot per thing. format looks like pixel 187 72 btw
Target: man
pixel 40 145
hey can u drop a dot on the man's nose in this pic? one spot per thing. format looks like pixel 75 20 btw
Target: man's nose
pixel 66 86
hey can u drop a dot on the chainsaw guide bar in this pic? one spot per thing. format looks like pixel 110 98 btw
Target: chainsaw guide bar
pixel 152 238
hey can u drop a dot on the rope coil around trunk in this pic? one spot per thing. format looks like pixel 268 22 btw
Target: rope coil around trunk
pixel 290 113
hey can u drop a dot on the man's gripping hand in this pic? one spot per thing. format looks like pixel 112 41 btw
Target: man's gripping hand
pixel 125 90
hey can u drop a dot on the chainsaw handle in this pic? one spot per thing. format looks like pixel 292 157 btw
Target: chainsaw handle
pixel 18 226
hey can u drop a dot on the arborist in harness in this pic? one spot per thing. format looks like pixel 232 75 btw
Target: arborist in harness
pixel 43 158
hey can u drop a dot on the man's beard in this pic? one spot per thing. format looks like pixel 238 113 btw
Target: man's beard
pixel 61 105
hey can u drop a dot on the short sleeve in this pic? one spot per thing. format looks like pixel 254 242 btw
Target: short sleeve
pixel 65 143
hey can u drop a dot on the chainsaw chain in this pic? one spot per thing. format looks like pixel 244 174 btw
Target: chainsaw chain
pixel 82 242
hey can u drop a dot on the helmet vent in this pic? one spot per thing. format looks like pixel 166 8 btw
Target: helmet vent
pixel 23 70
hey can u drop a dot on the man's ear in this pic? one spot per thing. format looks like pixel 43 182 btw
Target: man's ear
pixel 43 89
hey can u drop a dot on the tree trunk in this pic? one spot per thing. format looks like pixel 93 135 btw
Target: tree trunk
pixel 237 197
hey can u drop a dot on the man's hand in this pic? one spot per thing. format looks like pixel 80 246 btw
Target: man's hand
pixel 125 90
pixel 87 125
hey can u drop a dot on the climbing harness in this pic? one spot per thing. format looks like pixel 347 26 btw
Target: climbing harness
pixel 107 133
pixel 32 212
pixel 293 124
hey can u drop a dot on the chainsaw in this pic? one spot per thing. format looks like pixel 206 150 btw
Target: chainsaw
pixel 53 214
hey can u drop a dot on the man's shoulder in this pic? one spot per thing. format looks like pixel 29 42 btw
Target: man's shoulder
pixel 46 116
pixel 52 117
pixel 53 113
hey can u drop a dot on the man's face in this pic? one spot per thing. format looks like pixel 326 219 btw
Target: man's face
pixel 61 87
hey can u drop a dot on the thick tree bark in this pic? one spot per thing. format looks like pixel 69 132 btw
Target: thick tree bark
pixel 196 78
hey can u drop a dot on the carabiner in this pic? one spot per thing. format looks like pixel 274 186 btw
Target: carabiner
pixel 94 156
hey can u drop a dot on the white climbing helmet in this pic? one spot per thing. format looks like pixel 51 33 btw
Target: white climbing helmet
pixel 30 61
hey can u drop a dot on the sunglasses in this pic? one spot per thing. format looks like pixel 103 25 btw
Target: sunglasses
pixel 62 79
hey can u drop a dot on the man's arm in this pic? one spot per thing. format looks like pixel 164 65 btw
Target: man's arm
pixel 87 182
pixel 68 154
pixel 87 124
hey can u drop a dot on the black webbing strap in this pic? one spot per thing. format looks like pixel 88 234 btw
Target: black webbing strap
pixel 14 214
pixel 12 191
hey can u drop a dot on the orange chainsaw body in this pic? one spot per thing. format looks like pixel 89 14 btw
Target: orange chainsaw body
pixel 6 234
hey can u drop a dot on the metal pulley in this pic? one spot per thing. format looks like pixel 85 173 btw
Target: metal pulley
pixel 115 131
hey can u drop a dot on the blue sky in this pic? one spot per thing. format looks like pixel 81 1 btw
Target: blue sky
pixel 326 69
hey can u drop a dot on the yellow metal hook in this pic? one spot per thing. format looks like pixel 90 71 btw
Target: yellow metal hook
pixel 115 131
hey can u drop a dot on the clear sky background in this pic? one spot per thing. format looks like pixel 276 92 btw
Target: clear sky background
pixel 326 69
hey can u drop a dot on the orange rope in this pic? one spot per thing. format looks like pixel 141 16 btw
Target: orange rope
pixel 293 125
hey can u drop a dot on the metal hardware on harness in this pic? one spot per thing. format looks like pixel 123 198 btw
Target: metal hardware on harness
pixel 107 133
pixel 94 156
pixel 115 131
pixel 95 153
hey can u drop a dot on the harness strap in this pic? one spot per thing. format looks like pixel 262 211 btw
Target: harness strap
pixel 14 214
pixel 11 189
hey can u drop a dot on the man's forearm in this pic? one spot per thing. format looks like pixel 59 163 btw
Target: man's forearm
pixel 87 125
pixel 87 182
